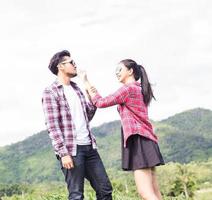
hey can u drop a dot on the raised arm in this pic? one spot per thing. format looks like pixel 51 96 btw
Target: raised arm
pixel 118 97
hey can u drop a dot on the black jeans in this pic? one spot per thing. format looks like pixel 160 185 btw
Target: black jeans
pixel 87 164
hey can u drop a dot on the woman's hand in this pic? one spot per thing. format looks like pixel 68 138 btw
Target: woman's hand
pixel 82 75
pixel 92 91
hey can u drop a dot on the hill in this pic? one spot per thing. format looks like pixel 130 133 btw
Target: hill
pixel 187 136
pixel 184 137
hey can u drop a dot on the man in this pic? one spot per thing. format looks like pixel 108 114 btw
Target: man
pixel 67 116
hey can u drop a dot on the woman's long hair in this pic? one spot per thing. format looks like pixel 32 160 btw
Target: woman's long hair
pixel 140 72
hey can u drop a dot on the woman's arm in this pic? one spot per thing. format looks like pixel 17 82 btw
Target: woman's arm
pixel 118 97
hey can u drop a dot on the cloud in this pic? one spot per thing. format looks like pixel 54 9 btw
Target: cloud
pixel 170 38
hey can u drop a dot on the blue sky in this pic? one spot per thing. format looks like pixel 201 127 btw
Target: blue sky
pixel 172 39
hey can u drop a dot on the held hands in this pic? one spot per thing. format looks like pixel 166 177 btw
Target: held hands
pixel 67 162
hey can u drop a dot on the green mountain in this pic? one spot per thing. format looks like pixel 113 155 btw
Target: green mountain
pixel 187 136
pixel 196 121
pixel 184 137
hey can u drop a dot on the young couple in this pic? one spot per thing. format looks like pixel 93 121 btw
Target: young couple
pixel 67 116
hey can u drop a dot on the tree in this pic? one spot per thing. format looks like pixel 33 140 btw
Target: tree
pixel 185 183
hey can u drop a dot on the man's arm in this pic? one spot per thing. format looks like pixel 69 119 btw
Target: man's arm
pixel 51 113
pixel 91 110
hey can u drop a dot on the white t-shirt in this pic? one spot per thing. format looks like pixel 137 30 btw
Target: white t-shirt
pixel 77 115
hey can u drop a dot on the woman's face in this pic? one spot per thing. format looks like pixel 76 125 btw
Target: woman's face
pixel 122 73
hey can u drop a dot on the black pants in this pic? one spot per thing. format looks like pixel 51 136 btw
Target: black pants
pixel 87 164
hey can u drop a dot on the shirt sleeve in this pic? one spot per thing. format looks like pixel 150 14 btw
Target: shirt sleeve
pixel 51 113
pixel 91 110
pixel 118 97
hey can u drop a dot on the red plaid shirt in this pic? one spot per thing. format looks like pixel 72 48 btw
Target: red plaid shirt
pixel 59 120
pixel 131 107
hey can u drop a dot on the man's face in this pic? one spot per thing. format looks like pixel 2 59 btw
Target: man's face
pixel 68 67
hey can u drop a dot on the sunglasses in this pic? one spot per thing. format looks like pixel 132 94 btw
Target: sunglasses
pixel 71 62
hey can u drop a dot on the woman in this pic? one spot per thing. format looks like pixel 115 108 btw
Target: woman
pixel 140 151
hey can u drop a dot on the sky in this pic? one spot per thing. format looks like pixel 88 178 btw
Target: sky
pixel 170 38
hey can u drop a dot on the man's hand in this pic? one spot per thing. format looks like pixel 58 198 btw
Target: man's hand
pixel 67 162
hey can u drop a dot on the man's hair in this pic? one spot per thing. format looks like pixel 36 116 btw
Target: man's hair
pixel 56 59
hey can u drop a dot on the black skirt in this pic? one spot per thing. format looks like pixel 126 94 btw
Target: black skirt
pixel 140 153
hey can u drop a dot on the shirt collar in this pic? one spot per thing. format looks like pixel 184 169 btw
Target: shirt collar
pixel 58 84
pixel 135 83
